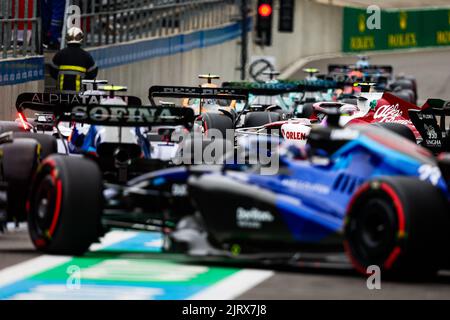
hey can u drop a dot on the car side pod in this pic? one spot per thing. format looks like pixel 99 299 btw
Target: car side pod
pixel 255 218
pixel 399 224
pixel 233 212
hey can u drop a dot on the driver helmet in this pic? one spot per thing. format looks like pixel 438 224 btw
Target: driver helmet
pixel 74 35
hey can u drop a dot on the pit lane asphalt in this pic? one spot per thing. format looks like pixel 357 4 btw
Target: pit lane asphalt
pixel 433 78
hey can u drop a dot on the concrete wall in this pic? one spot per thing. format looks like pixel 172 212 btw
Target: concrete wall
pixel 18 75
pixel 8 96
pixel 178 69
pixel 317 30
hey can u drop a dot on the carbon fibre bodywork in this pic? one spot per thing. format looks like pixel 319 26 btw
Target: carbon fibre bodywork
pixel 214 209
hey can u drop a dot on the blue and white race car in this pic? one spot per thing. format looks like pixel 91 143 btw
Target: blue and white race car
pixel 362 189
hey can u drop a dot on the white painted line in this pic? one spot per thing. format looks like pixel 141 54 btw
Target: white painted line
pixel 113 237
pixel 31 267
pixel 234 285
pixel 11 227
pixel 298 64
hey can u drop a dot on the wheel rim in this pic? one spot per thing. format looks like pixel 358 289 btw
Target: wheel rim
pixel 373 231
pixel 44 206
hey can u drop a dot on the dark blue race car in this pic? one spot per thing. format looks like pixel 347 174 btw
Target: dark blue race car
pixel 382 198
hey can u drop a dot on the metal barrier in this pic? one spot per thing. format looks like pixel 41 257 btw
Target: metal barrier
pixel 115 21
pixel 20 28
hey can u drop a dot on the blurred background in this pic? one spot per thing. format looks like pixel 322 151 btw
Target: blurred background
pixel 139 43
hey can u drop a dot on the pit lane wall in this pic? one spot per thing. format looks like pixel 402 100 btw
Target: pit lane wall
pixel 399 29
pixel 173 60
pixel 177 60
pixel 17 76
pixel 317 31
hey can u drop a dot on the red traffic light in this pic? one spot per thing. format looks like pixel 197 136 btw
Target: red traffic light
pixel 265 10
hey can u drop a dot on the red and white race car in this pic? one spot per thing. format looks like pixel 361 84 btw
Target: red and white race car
pixel 417 123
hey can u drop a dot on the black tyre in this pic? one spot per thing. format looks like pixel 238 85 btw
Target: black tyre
pixel 65 204
pixel 399 224
pixel 305 111
pixel 19 160
pixel 217 121
pixel 414 84
pixel 260 118
pixel 403 84
pixel 6 126
pixel 405 94
pixel 398 128
pixel 47 142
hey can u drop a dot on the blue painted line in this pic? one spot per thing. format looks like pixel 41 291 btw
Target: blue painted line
pixel 142 242
pixel 118 276
pixel 28 287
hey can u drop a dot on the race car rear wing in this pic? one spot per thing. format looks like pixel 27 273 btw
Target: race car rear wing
pixel 49 102
pixel 74 109
pixel 130 116
pixel 344 79
pixel 282 87
pixel 373 68
pixel 196 92
pixel 438 105
pixel 435 136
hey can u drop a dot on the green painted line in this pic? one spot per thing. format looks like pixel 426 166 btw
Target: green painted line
pixel 116 269
pixel 109 274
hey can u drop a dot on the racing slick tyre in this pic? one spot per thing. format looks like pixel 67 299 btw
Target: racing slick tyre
pixel 405 94
pixel 63 207
pixel 19 160
pixel 260 118
pixel 217 121
pixel 305 111
pixel 47 142
pixel 399 224
pixel 6 126
pixel 414 84
pixel 403 83
pixel 397 128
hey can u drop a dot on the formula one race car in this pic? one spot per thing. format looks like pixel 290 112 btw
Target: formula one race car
pixel 270 102
pixel 402 86
pixel 294 123
pixel 202 105
pixel 379 196
pixel 120 156
pixel 375 194
pixel 213 112
pixel 424 124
